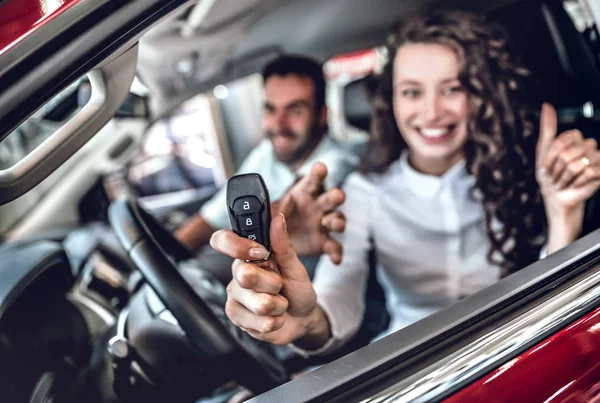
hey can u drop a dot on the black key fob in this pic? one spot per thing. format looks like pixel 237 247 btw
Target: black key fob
pixel 249 208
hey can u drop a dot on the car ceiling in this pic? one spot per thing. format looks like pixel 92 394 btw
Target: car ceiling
pixel 234 38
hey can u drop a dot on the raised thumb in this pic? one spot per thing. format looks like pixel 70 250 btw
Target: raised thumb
pixel 548 130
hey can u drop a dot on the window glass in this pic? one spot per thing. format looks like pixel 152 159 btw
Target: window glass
pixel 179 152
pixel 28 136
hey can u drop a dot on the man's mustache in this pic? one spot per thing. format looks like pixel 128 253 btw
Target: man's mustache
pixel 285 133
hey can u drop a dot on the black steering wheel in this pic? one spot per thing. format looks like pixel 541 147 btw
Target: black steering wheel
pixel 154 251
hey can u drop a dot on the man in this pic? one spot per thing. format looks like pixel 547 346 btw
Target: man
pixel 294 121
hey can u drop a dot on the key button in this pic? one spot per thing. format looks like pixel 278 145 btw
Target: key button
pixel 253 235
pixel 249 222
pixel 246 205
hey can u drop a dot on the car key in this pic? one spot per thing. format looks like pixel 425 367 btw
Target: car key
pixel 250 208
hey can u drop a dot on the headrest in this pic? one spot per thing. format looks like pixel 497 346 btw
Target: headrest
pixel 357 102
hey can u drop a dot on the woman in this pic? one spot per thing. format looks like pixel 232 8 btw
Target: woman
pixel 461 184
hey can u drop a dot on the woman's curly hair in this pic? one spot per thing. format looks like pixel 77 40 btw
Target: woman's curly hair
pixel 502 129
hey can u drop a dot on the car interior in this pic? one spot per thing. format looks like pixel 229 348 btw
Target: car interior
pixel 98 301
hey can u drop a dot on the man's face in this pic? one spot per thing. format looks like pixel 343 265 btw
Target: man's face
pixel 290 118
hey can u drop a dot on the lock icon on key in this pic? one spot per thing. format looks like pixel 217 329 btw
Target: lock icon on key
pixel 246 205
pixel 249 221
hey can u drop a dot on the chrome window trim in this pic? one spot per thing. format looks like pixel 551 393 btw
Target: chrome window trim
pixel 495 347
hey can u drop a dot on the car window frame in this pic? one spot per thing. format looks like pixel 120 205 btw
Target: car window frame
pixel 39 66
pixel 352 373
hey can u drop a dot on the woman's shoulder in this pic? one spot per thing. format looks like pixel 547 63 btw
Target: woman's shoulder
pixel 363 193
pixel 356 181
pixel 360 182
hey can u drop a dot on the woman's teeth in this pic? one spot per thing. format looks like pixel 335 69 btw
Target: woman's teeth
pixel 435 133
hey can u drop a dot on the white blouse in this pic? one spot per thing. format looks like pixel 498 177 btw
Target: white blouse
pixel 430 241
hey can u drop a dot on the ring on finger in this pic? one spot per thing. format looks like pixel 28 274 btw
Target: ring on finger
pixel 260 260
pixel 585 161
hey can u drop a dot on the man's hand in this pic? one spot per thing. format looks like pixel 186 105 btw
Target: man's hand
pixel 273 301
pixel 568 172
pixel 310 216
pixel 194 233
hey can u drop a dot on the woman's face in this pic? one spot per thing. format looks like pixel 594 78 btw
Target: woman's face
pixel 430 106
